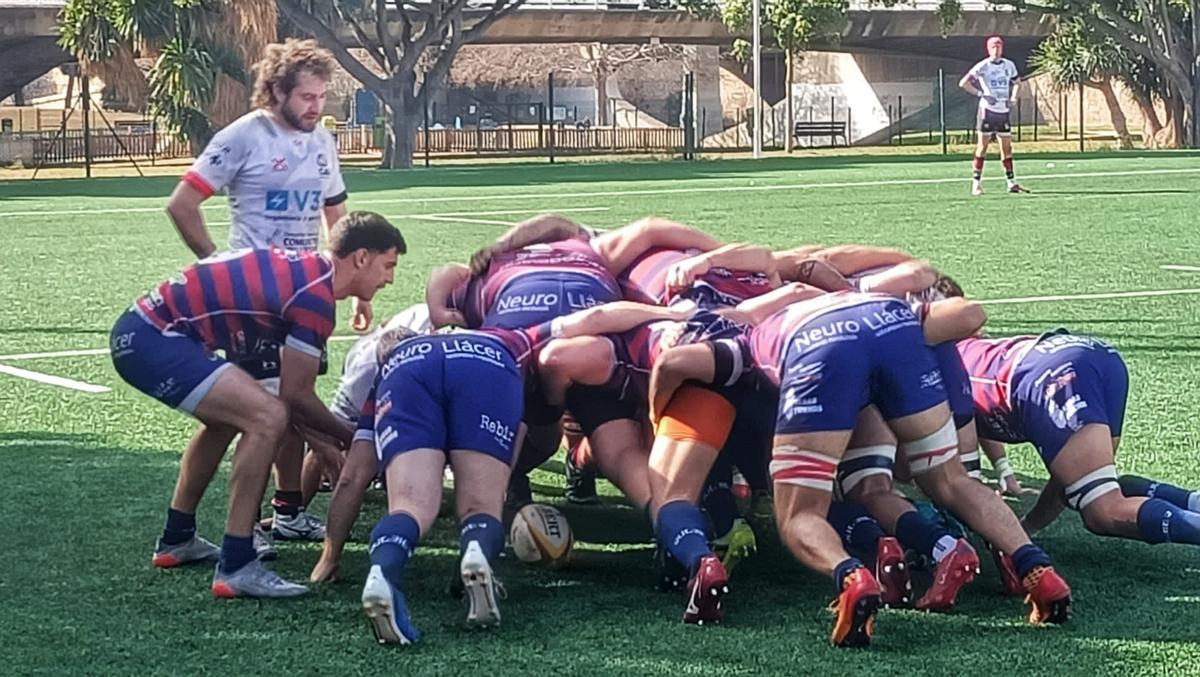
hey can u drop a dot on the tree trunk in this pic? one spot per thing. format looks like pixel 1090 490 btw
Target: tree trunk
pixel 1172 134
pixel 404 115
pixel 1120 124
pixel 600 78
pixel 1150 122
pixel 789 142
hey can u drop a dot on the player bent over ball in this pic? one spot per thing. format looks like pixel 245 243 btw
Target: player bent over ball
pixel 164 346
pixel 456 398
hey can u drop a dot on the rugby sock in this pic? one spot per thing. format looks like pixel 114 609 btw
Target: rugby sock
pixel 680 527
pixel 392 543
pixel 288 503
pixel 485 530
pixel 977 165
pixel 1160 522
pixel 720 505
pixel 1008 167
pixel 920 533
pixel 1029 557
pixel 1132 485
pixel 860 531
pixel 844 569
pixel 181 527
pixel 236 552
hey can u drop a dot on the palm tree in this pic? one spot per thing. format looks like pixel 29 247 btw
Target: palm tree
pixel 202 50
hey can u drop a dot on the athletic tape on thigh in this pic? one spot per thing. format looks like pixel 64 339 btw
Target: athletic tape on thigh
pixel 698 415
pixel 1092 486
pixel 933 450
pixel 790 465
pixel 862 462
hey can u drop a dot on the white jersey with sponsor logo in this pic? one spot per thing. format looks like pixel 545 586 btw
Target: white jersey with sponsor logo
pixel 362 362
pixel 994 78
pixel 278 180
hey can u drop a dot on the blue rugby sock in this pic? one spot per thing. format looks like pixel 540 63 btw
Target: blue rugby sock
pixel 485 530
pixel 236 552
pixel 920 533
pixel 844 569
pixel 1132 485
pixel 392 543
pixel 1161 522
pixel 181 527
pixel 1029 557
pixel 680 528
pixel 860 531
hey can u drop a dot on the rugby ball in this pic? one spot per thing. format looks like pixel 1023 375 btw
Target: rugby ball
pixel 541 535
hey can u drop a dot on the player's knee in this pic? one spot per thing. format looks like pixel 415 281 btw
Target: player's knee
pixel 270 418
pixel 932 451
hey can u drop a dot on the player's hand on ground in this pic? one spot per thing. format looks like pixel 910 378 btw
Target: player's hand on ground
pixel 360 320
pixel 325 571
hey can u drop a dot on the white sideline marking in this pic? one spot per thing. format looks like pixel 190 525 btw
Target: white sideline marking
pixel 52 380
pixel 1086 297
pixel 1186 269
pixel 462 219
pixel 651 191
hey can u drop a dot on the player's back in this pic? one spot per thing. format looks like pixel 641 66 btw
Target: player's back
pixel 992 366
pixel 234 300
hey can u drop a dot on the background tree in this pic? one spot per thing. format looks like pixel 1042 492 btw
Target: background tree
pixel 411 46
pixel 201 51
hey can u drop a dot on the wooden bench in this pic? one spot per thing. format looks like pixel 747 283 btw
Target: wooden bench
pixel 830 128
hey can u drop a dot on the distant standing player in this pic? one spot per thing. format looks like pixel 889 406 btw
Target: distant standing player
pixel 994 80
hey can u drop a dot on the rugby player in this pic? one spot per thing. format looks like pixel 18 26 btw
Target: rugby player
pixel 995 81
pixel 280 169
pixel 427 409
pixel 165 344
pixel 1066 394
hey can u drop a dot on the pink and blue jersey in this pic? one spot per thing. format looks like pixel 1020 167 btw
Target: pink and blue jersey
pixel 237 300
pixel 1043 389
pixel 536 284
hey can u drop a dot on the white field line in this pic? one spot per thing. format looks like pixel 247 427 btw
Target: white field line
pixel 652 191
pixel 463 219
pixel 52 380
pixel 17 357
pixel 1186 269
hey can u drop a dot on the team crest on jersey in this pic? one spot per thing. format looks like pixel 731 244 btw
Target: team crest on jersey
pixel 322 164
pixel 279 164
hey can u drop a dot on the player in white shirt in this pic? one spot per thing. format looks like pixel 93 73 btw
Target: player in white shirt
pixel 280 170
pixel 994 80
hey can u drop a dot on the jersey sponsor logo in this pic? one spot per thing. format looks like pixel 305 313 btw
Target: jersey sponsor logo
pixel 931 379
pixel 305 242
pixel 300 200
pixel 122 345
pixel 477 349
pixel 322 164
pixel 215 158
pixel 405 353
pixel 279 164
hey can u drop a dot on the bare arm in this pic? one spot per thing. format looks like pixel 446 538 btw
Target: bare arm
pixel 953 319
pixel 693 362
pixel 616 317
pixel 442 282
pixel 968 83
pixel 538 230
pixel 184 209
pixel 849 259
pixel 744 257
pixel 297 377
pixel 620 247
pixel 760 308
pixel 331 214
pixel 815 272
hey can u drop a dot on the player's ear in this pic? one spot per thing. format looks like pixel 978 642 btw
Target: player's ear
pixel 362 258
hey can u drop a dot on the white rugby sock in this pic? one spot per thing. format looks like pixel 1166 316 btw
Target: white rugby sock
pixel 943 547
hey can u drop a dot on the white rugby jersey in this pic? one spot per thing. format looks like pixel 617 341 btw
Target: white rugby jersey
pixel 995 78
pixel 278 180
pixel 362 363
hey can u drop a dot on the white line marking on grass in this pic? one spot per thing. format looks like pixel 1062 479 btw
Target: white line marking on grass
pixel 58 353
pixel 462 219
pixel 1186 269
pixel 648 191
pixel 1087 297
pixel 52 380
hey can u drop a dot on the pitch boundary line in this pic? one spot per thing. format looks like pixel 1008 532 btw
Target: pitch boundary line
pixel 50 379
pixel 658 191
